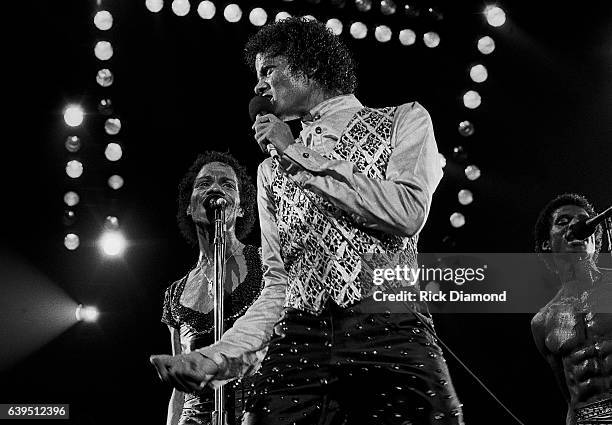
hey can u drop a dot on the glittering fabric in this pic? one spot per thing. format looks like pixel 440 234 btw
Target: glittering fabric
pixel 196 330
pixel 595 413
pixel 348 367
pixel 319 262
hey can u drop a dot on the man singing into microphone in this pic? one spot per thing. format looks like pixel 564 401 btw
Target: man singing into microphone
pixel 357 183
pixel 574 330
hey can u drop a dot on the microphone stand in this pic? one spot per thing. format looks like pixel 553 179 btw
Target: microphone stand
pixel 219 416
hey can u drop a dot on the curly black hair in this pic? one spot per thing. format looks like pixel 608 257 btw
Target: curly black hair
pixel 248 195
pixel 311 49
pixel 544 222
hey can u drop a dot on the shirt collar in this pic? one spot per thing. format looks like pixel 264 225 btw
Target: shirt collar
pixel 330 106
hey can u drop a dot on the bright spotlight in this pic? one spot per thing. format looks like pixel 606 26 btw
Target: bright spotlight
pixel 104 77
pixel 258 17
pixel 232 13
pixel 465 197
pixel 103 50
pixel 486 45
pixel 74 169
pixel 207 9
pixel 71 241
pixel 115 182
pixel 387 7
pixel 466 128
pixel 457 219
pixel 112 243
pixel 495 15
pixel 87 313
pixel 358 30
pixel 112 126
pixel 407 37
pixel 282 15
pixel 103 20
pixel 73 115
pixel 181 7
pixel 73 144
pixel 113 152
pixel 382 33
pixel 471 99
pixel 71 198
pixel 478 73
pixel 431 39
pixel 335 25
pixel 363 5
pixel 154 5
pixel 472 172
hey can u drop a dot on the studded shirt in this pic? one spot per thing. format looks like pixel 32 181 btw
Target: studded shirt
pixel 396 204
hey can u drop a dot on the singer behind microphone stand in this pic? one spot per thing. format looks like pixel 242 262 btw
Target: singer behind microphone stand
pixel 574 330
pixel 188 302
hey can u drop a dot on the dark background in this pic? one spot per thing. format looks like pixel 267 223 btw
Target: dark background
pixel 544 127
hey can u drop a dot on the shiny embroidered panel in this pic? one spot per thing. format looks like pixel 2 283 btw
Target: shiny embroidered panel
pixel 319 261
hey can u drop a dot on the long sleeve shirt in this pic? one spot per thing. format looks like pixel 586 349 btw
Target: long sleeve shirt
pixel 395 203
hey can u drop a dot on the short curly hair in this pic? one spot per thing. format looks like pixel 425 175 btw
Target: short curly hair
pixel 544 222
pixel 248 195
pixel 311 49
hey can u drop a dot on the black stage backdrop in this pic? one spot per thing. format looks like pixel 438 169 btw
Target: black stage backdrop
pixel 544 127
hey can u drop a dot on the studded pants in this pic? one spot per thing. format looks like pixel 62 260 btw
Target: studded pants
pixel 352 368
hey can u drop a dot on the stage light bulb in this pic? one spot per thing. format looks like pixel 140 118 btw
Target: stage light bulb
pixel 258 17
pixel 113 152
pixel 431 39
pixel 457 219
pixel 495 15
pixel 112 126
pixel 232 13
pixel 87 313
pixel 115 181
pixel 442 160
pixel 73 115
pixel 465 197
pixel 74 169
pixel 407 37
pixel 154 5
pixel 103 50
pixel 309 18
pixel 466 128
pixel 207 9
pixel 181 7
pixel 71 241
pixel 72 144
pixel 71 198
pixel 472 172
pixel 335 25
pixel 382 33
pixel 471 99
pixel 104 77
pixel 359 30
pixel 281 15
pixel 363 5
pixel 112 243
pixel 103 20
pixel 111 222
pixel 486 45
pixel 105 106
pixel 478 73
pixel 387 7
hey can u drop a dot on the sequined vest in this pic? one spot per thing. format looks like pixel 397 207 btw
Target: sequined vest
pixel 319 261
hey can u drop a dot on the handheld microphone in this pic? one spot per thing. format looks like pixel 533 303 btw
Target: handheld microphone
pixel 214 201
pixel 258 106
pixel 584 228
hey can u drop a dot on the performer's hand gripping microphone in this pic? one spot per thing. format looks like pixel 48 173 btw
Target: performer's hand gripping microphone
pixel 258 106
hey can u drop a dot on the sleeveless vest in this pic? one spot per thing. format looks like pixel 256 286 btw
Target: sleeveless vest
pixel 319 262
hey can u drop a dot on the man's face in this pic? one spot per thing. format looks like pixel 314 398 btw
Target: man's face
pixel 562 217
pixel 288 92
pixel 215 178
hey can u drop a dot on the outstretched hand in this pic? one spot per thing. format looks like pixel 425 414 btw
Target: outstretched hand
pixel 185 372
